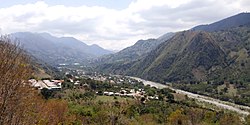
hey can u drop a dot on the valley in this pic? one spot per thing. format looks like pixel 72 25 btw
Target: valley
pixel 195 75
pixel 243 110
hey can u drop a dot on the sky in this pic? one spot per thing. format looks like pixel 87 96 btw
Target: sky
pixel 113 24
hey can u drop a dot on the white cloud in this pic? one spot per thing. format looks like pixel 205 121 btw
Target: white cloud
pixel 117 29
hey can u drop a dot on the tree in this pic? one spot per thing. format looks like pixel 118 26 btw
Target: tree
pixel 230 119
pixel 248 120
pixel 225 89
pixel 20 104
pixel 146 119
pixel 46 93
pixel 177 118
pixel 53 112
pixel 14 91
pixel 170 98
pixel 210 117
pixel 195 115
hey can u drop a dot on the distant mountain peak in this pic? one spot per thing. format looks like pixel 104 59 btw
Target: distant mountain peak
pixel 55 50
pixel 95 45
pixel 44 33
pixel 240 19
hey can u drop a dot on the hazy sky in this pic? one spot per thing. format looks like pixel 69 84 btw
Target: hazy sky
pixel 113 24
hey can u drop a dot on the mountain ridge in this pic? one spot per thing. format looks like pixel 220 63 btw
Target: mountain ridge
pixel 230 22
pixel 213 53
pixel 198 56
pixel 127 56
pixel 56 50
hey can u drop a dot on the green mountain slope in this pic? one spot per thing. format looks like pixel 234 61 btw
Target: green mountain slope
pixel 43 70
pixel 198 56
pixel 117 63
pixel 218 51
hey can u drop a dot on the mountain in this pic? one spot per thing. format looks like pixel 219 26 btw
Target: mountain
pixel 215 53
pixel 230 22
pixel 93 50
pixel 198 56
pixel 54 50
pixel 43 70
pixel 116 62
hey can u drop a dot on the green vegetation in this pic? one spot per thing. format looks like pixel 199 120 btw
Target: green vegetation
pixel 85 106
pixel 194 56
pixel 112 99
pixel 236 92
pixel 121 61
pixel 78 104
pixel 213 63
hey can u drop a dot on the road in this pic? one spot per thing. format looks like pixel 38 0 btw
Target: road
pixel 221 104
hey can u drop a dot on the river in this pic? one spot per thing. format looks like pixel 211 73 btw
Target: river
pixel 221 104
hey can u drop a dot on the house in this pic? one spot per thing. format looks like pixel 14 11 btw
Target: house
pixel 71 80
pixel 117 94
pixel 111 93
pixel 52 84
pixel 105 93
pixel 130 94
pixel 77 83
pixel 132 91
pixel 35 84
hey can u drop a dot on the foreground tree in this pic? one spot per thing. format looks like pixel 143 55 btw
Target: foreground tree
pixel 178 118
pixel 52 112
pixel 14 70
pixel 248 120
pixel 19 103
pixel 230 119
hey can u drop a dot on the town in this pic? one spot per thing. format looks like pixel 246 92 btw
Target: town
pixel 121 86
